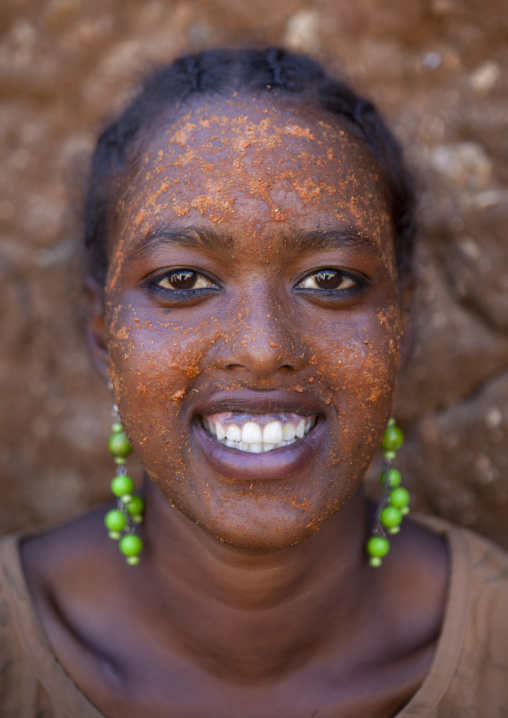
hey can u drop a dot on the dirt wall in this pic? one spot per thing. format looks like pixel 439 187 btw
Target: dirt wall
pixel 438 69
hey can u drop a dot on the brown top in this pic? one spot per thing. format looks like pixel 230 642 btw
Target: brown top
pixel 468 677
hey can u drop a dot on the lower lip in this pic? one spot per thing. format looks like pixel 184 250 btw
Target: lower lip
pixel 276 464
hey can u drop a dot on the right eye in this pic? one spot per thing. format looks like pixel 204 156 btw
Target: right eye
pixel 182 280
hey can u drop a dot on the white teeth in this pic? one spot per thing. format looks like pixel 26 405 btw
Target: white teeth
pixel 300 429
pixel 251 433
pixel 272 433
pixel 257 437
pixel 256 448
pixel 288 432
pixel 234 433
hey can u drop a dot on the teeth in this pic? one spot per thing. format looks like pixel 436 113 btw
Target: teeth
pixel 300 429
pixel 221 431
pixel 272 433
pixel 257 437
pixel 234 433
pixel 256 448
pixel 251 433
pixel 288 432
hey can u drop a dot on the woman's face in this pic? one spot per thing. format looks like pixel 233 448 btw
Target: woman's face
pixel 253 316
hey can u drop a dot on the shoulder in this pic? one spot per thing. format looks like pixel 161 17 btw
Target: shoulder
pixel 14 652
pixel 487 630
pixel 478 593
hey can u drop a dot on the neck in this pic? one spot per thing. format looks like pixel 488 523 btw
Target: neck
pixel 252 613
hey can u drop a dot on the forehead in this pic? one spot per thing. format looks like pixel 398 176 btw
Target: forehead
pixel 221 158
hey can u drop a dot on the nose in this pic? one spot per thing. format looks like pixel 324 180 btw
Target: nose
pixel 263 340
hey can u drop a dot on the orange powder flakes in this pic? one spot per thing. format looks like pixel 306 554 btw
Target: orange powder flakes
pixel 139 217
pixel 181 136
pixel 308 191
pixel 298 131
pixel 181 209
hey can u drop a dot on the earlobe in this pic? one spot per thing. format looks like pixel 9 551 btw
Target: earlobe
pixel 96 326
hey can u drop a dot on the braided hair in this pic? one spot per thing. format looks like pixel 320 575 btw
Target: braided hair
pixel 223 72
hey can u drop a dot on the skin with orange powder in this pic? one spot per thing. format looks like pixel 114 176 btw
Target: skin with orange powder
pixel 253 326
pixel 252 280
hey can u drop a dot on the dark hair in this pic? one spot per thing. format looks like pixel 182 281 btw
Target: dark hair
pixel 223 72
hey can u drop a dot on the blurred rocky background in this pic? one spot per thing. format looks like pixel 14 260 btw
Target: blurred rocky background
pixel 438 69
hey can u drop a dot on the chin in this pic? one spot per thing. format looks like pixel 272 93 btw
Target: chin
pixel 259 524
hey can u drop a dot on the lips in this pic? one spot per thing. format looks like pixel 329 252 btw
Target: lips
pixel 253 435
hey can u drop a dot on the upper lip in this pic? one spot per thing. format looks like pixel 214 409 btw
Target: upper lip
pixel 259 402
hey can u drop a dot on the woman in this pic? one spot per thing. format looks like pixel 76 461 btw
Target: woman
pixel 249 228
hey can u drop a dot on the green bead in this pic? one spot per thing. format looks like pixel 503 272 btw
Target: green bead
pixel 136 506
pixel 117 428
pixel 394 530
pixel 400 497
pixel 132 560
pixel 390 517
pixel 131 545
pixel 390 478
pixel 393 439
pixel 138 519
pixel 114 535
pixel 119 461
pixel 115 520
pixel 119 445
pixel 122 486
pixel 405 511
pixel 375 561
pixel 377 546
pixel 391 422
pixel 390 455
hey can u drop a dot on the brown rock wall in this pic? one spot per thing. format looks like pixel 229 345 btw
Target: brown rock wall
pixel 439 71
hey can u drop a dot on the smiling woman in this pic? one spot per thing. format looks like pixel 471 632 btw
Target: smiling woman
pixel 249 226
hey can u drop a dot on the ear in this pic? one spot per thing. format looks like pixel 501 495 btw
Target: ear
pixel 407 341
pixel 96 325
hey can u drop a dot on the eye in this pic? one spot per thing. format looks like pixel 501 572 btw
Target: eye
pixel 328 279
pixel 181 280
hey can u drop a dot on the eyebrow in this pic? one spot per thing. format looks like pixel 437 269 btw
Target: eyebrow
pixel 193 237
pixel 196 237
pixel 346 236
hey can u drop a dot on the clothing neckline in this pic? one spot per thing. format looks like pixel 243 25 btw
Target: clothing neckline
pixel 65 693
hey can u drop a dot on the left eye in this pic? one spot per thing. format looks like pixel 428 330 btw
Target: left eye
pixel 331 279
pixel 184 279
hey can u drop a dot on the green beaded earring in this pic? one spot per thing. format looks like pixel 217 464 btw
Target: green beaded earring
pixel 121 521
pixel 394 504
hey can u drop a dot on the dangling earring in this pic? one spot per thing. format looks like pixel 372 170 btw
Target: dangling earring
pixel 121 521
pixel 394 504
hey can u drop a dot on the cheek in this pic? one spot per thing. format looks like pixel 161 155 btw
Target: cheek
pixel 358 370
pixel 155 365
